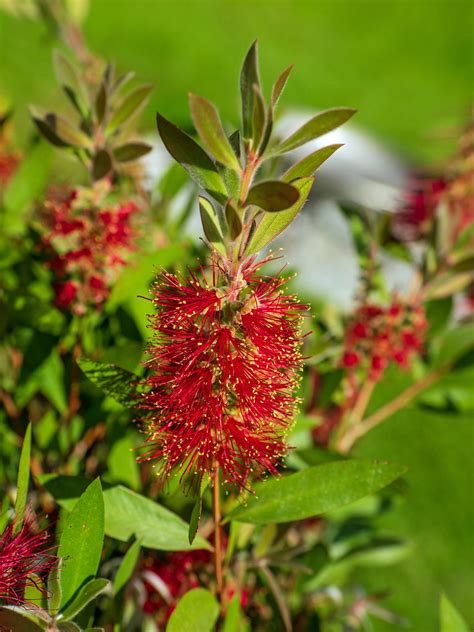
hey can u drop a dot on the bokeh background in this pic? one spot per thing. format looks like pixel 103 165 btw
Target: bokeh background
pixel 408 67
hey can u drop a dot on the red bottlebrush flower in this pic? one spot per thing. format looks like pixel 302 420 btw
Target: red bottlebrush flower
pixel 350 359
pixel 87 247
pixel 22 555
pixel 391 333
pixel 65 294
pixel 224 366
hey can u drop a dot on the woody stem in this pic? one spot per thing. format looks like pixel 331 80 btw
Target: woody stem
pixel 217 533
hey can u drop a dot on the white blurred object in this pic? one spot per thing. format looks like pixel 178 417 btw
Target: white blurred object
pixel 362 173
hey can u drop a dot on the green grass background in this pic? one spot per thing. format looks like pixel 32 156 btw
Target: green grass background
pixel 408 68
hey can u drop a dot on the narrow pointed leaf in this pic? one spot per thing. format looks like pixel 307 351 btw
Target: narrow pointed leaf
pixel 232 617
pixel 70 80
pixel 273 224
pixel 315 127
pixel 101 164
pixel 87 593
pixel 101 103
pixel 450 619
pixel 131 151
pixel 197 611
pixel 68 626
pixel 209 127
pixel 210 224
pixel 233 220
pixel 249 76
pixel 54 589
pixel 192 158
pixel 308 165
pixel 81 542
pixel 127 567
pixel 315 491
pixel 58 131
pixel 259 118
pixel 129 106
pixel 279 85
pixel 273 195
pixel 23 481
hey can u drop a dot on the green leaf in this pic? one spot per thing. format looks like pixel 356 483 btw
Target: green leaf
pixel 68 626
pixel 315 127
pixel 273 196
pixel 197 510
pixel 233 220
pixel 26 185
pixel 279 85
pixel 450 619
pixel 101 102
pixel 23 481
pixel 197 611
pixel 101 164
pixel 315 490
pixel 86 594
pixel 210 224
pixel 209 127
pixel 128 514
pixel 249 76
pixel 12 618
pixel 54 588
pixel 81 542
pixel 232 617
pixel 192 158
pixel 70 80
pixel 127 567
pixel 131 151
pixel 129 106
pixel 58 130
pixel 122 462
pixel 259 118
pixel 112 380
pixel 455 343
pixel 273 224
pixel 35 592
pixel 308 165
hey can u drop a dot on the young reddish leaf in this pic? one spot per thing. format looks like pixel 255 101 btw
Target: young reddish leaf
pixel 273 224
pixel 272 195
pixel 315 127
pixel 23 481
pixel 249 76
pixel 131 151
pixel 209 127
pixel 279 85
pixel 308 165
pixel 192 158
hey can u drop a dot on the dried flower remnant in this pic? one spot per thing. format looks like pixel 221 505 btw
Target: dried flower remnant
pixel 378 335
pixel 87 247
pixel 22 555
pixel 225 363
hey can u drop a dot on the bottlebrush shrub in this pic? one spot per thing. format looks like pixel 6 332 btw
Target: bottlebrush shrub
pixel 378 335
pixel 87 244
